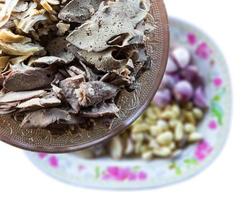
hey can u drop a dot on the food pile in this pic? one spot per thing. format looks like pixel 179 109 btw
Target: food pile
pixel 170 123
pixel 65 62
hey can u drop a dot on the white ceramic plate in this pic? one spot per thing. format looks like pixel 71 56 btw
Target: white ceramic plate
pixel 138 174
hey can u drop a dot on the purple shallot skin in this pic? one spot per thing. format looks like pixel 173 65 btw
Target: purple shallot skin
pixel 162 98
pixel 183 91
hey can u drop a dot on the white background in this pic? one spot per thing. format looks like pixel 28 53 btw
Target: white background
pixel 223 20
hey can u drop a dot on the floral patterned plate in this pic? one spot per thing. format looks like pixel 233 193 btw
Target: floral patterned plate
pixel 138 174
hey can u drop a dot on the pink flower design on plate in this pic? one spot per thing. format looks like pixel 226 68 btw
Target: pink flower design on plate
pixel 203 51
pixel 203 149
pixel 81 167
pixel 53 161
pixel 123 174
pixel 192 39
pixel 42 155
pixel 217 81
pixel 213 125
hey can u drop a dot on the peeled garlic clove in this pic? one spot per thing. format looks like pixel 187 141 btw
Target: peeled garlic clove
pixel 165 138
pixel 181 56
pixel 171 66
pixel 200 99
pixel 116 148
pixel 148 155
pixel 183 91
pixel 195 137
pixel 129 149
pixel 162 152
pixel 162 98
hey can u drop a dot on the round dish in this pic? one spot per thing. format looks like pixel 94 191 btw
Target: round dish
pixel 138 174
pixel 131 109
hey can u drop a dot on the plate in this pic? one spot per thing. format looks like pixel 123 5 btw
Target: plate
pixel 138 174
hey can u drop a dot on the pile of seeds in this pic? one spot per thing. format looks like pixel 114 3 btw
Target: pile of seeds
pixel 65 62
pixel 170 123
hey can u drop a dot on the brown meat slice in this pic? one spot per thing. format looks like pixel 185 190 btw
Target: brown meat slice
pixel 20 96
pixel 46 61
pixel 79 10
pixel 121 77
pixel 68 87
pixel 7 108
pixel 58 47
pixel 90 74
pixel 101 110
pixel 37 103
pixel 44 118
pixel 94 92
pixel 74 71
pixel 29 79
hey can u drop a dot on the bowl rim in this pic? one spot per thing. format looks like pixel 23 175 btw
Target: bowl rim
pixel 122 126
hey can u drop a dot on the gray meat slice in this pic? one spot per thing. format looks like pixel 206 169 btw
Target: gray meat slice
pixel 101 110
pixel 46 61
pixel 46 117
pixel 117 79
pixel 68 87
pixel 94 92
pixel 37 103
pixel 90 74
pixel 7 108
pixel 29 79
pixel 20 96
pixel 103 61
pixel 58 47
pixel 74 71
pixel 79 10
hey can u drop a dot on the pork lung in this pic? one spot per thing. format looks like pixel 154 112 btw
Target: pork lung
pixel 29 79
pixel 46 117
pixel 79 11
pixel 101 110
pixel 20 96
pixel 42 102
pixel 94 92
pixel 68 87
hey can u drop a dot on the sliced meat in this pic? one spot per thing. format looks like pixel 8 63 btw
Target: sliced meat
pixel 94 92
pixel 74 71
pixel 46 117
pixel 103 61
pixel 58 48
pixel 79 11
pixel 46 61
pixel 6 11
pixel 20 96
pixel 29 79
pixel 101 110
pixel 119 78
pixel 7 108
pixel 68 87
pixel 113 19
pixel 62 28
pixel 37 103
pixel 90 74
pixel 57 91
